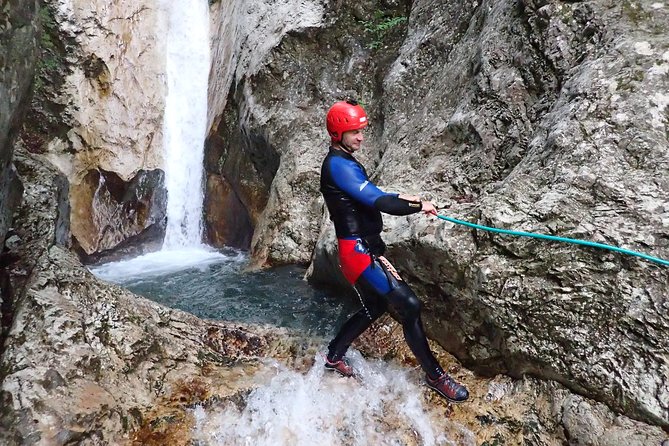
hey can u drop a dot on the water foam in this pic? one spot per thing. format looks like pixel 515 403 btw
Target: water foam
pixel 384 406
pixel 184 130
pixel 162 263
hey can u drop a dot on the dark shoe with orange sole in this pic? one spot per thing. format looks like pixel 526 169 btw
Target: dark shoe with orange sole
pixel 342 367
pixel 448 388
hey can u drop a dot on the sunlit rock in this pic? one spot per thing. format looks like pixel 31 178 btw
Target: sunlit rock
pixel 98 108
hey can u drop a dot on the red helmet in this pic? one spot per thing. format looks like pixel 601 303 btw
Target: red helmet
pixel 344 116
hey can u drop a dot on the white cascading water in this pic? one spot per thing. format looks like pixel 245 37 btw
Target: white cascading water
pixel 184 128
pixel 384 406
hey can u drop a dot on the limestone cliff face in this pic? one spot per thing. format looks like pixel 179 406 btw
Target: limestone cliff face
pixel 18 41
pixel 18 56
pixel 553 120
pixel 251 134
pixel 542 116
pixel 292 60
pixel 97 115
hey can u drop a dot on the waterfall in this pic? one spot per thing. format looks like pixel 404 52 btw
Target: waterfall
pixel 184 128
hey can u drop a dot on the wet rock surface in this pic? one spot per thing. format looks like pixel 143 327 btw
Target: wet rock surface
pixel 82 360
pixel 85 361
pixel 501 410
pixel 116 218
pixel 506 411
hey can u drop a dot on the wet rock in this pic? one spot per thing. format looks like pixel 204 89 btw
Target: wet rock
pixel 227 220
pixel 502 410
pixel 545 117
pixel 83 358
pixel 239 173
pixel 111 213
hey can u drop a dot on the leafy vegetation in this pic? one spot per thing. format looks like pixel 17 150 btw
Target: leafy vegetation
pixel 380 26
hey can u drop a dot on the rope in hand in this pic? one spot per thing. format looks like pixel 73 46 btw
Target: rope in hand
pixel 555 238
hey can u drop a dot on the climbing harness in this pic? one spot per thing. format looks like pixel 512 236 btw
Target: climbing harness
pixel 557 239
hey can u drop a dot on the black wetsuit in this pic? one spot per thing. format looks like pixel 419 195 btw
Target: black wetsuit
pixel 355 206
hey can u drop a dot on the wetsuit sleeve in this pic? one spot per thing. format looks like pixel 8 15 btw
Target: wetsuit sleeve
pixel 392 204
pixel 350 178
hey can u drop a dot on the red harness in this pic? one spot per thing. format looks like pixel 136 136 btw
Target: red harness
pixel 354 258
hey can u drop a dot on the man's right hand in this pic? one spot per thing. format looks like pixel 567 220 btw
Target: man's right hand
pixel 428 208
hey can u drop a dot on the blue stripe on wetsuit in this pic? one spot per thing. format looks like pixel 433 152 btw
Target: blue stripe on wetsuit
pixel 349 177
pixel 376 276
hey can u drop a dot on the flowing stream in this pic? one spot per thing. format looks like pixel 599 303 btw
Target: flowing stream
pixel 383 406
pixel 288 407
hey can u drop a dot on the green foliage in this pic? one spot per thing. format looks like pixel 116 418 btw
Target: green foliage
pixel 379 26
pixel 47 21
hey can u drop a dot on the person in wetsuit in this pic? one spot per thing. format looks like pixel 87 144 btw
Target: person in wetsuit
pixel 355 205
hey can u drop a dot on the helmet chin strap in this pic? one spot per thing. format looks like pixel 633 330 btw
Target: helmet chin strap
pixel 345 148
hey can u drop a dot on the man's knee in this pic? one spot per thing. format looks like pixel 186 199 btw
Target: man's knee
pixel 404 302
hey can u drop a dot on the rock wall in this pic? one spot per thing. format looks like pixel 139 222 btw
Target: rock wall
pixel 97 115
pixel 540 116
pixel 18 41
pixel 292 61
pixel 18 56
pixel 557 126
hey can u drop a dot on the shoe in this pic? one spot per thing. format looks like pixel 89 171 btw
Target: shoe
pixel 342 367
pixel 448 388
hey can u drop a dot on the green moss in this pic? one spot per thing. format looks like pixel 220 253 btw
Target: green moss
pixel 379 26
pixel 50 58
pixel 635 12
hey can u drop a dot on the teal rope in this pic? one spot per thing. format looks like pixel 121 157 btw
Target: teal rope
pixel 557 239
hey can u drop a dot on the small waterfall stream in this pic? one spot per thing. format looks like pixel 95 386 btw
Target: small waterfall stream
pixel 383 406
pixel 184 127
pixel 187 66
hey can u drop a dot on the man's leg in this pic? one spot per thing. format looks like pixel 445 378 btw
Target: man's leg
pixel 373 306
pixel 407 307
